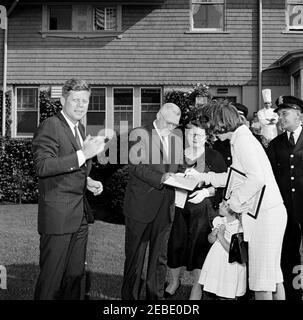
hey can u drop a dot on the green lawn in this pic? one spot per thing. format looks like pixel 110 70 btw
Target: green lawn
pixel 19 253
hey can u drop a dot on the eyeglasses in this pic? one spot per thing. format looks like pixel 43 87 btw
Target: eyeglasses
pixel 171 124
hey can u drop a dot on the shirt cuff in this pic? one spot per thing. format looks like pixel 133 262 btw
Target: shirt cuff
pixel 81 158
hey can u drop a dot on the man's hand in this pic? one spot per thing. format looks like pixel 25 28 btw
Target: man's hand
pixel 198 196
pixel 94 186
pixel 92 146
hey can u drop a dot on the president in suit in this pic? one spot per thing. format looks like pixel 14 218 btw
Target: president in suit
pixel 285 154
pixel 61 160
pixel 149 204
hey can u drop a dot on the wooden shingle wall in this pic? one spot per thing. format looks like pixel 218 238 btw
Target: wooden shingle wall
pixel 156 47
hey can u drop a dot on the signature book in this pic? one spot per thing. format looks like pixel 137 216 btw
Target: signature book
pixel 234 181
pixel 182 181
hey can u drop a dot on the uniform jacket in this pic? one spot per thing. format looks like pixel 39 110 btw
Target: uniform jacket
pixel 287 164
pixel 62 183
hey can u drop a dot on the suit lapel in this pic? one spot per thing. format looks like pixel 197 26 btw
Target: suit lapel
pixel 68 131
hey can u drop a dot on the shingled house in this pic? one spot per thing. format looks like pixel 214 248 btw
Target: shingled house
pixel 133 51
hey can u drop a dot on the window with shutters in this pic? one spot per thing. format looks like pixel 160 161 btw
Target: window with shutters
pixel 294 14
pixel 81 20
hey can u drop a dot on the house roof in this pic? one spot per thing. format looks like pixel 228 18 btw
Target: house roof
pixel 289 57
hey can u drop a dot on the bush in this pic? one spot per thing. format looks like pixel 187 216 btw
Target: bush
pixel 18 183
pixel 8 108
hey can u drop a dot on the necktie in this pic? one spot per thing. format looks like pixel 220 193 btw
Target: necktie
pixel 291 139
pixel 77 137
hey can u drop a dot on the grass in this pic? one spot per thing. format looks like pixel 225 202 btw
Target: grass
pixel 19 253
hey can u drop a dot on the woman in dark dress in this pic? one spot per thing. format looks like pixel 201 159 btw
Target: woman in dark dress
pixel 188 244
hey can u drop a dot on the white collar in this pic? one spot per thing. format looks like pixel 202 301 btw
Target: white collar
pixel 70 123
pixel 296 133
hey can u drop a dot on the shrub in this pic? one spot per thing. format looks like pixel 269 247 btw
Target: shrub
pixel 8 104
pixel 18 183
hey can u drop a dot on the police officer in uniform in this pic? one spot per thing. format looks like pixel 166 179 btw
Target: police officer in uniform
pixel 285 153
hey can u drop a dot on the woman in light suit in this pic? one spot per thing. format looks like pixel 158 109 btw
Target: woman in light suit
pixel 264 234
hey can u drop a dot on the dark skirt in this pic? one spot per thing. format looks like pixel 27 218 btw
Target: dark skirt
pixel 188 244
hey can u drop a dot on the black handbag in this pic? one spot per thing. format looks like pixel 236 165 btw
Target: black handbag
pixel 238 250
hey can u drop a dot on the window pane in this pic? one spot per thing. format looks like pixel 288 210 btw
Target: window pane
pixel 150 105
pixel 60 17
pixel 111 19
pixel 97 99
pixel 105 18
pixel 27 98
pixel 295 15
pixel 150 95
pixel 208 16
pixel 26 122
pixel 123 107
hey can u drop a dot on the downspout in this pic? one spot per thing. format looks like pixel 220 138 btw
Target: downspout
pixel 5 68
pixel 4 80
pixel 260 56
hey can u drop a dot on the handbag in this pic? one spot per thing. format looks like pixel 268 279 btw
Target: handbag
pixel 238 250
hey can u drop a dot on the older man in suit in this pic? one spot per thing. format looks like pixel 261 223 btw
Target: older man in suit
pixel 61 159
pixel 285 155
pixel 149 204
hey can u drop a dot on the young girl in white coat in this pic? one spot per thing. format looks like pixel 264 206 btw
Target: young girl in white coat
pixel 218 276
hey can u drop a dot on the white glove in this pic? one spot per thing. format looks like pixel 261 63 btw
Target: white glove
pixel 198 196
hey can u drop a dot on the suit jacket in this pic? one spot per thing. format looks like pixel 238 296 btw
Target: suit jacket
pixel 287 164
pixel 145 194
pixel 62 183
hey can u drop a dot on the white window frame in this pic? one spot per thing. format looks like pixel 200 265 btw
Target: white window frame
pixel 119 17
pixel 134 102
pixel 161 98
pixel 14 111
pixel 192 29
pixel 73 33
pixel 288 27
pixel 105 110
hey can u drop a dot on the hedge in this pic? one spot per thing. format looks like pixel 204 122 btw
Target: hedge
pixel 18 183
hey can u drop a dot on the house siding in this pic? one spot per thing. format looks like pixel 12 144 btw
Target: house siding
pixel 155 48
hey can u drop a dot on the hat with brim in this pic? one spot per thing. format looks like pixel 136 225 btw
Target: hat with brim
pixel 289 102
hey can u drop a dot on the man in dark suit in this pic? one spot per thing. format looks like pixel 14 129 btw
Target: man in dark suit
pixel 149 204
pixel 61 155
pixel 285 155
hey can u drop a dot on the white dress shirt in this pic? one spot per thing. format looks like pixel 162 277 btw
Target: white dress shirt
pixel 164 139
pixel 296 133
pixel 80 154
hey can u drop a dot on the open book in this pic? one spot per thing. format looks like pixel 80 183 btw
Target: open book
pixel 182 181
pixel 234 180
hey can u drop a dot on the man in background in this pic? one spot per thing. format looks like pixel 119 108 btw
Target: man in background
pixel 285 154
pixel 267 117
pixel 149 206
